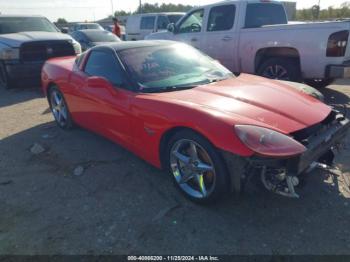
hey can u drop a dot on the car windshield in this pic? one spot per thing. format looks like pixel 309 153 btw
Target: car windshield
pixel 101 36
pixel 174 18
pixel 170 67
pixel 9 25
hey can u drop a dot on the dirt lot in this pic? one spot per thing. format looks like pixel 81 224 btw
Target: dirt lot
pixel 122 205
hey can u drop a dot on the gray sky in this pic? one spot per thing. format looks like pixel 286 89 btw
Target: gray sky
pixel 80 10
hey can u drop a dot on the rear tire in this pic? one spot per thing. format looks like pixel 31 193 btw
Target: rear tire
pixel 59 108
pixel 280 68
pixel 196 167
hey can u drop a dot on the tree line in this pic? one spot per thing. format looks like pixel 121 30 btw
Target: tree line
pixel 312 13
pixel 307 14
pixel 331 13
pixel 156 8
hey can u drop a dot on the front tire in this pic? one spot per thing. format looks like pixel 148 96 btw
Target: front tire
pixel 197 168
pixel 280 68
pixel 59 108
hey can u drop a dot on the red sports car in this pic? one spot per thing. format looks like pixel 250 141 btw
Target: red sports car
pixel 183 111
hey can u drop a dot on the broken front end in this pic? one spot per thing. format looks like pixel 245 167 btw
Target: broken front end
pixel 281 175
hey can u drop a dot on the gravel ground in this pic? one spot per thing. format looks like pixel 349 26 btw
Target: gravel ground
pixel 86 195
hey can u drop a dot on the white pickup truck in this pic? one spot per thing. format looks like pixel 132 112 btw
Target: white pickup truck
pixel 254 36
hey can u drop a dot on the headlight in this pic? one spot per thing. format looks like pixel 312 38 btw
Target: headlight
pixel 77 47
pixel 9 54
pixel 268 142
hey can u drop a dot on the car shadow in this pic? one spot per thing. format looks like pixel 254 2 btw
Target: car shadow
pixel 119 194
pixel 13 96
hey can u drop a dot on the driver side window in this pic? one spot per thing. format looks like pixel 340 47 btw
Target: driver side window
pixel 105 65
pixel 193 22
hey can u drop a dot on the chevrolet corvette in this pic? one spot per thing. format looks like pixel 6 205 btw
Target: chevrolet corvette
pixel 182 111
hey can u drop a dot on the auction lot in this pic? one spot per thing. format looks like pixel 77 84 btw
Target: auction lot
pixel 119 204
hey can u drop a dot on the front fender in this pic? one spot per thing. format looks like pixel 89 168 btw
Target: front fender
pixel 161 117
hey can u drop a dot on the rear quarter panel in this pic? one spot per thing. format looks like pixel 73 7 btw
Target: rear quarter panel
pixel 57 71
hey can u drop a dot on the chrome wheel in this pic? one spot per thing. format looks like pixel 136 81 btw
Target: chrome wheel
pixel 276 72
pixel 59 108
pixel 193 168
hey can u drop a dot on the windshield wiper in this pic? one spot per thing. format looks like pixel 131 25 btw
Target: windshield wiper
pixel 217 79
pixel 166 88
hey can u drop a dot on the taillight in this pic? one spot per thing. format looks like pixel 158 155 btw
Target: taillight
pixel 337 43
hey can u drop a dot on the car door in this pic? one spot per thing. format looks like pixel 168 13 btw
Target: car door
pixel 220 39
pixel 105 108
pixel 190 29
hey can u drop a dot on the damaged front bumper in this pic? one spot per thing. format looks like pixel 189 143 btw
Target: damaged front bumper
pixel 281 175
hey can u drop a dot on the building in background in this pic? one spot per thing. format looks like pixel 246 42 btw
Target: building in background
pixel 291 9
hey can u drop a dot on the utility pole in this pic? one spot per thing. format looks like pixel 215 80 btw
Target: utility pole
pixel 319 9
pixel 140 7
pixel 112 8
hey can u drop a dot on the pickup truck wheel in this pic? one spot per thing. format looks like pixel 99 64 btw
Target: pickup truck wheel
pixel 5 81
pixel 280 68
pixel 318 83
pixel 197 168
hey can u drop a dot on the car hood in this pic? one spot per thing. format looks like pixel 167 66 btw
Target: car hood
pixel 16 39
pixel 254 100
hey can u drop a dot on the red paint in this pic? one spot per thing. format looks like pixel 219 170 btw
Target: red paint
pixel 212 110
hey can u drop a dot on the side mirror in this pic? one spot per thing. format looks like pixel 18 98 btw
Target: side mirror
pixel 98 82
pixel 171 28
pixel 64 30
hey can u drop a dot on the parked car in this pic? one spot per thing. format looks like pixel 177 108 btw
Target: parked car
pixel 254 36
pixel 183 111
pixel 140 25
pixel 82 26
pixel 26 42
pixel 92 37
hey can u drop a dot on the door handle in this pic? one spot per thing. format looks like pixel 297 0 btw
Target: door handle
pixel 227 38
pixel 194 40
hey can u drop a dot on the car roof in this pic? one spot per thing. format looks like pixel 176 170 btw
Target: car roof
pixel 119 46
